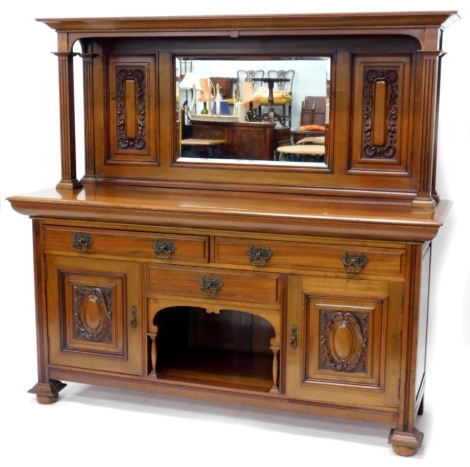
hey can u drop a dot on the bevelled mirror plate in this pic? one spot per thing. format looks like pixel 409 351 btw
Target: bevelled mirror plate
pixel 271 112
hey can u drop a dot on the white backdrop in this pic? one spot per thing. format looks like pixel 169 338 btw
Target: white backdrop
pixel 95 426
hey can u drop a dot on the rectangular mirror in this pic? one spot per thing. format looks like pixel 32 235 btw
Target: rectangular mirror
pixel 258 112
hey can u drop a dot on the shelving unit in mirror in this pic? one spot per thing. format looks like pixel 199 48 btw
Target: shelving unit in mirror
pixel 254 260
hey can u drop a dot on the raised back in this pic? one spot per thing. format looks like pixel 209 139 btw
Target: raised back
pixel 384 147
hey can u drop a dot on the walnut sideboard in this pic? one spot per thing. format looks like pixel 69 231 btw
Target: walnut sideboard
pixel 290 285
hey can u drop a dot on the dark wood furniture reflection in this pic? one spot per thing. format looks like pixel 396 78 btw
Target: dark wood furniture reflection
pixel 271 115
pixel 313 111
pixel 225 86
pixel 251 141
pixel 263 284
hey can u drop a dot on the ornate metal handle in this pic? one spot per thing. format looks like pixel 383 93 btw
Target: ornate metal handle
pixel 163 248
pixel 81 242
pixel 259 256
pixel 210 286
pixel 133 323
pixel 354 263
pixel 293 336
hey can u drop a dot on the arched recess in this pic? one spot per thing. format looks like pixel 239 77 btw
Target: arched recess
pixel 226 348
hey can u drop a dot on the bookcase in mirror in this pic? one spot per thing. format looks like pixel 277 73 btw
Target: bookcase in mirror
pixel 235 239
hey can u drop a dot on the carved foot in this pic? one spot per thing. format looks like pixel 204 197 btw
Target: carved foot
pixel 48 393
pixel 405 443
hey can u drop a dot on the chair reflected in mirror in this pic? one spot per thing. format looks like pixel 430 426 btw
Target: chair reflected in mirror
pixel 244 76
pixel 310 137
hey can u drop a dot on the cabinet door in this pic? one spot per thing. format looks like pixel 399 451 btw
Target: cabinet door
pixel 344 344
pixel 94 314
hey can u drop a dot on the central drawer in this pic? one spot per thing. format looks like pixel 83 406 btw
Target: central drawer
pixel 216 284
pixel 338 258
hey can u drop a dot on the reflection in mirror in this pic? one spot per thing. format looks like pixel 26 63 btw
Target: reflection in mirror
pixel 267 112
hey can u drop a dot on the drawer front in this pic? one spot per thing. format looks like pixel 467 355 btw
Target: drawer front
pixel 217 284
pixel 350 259
pixel 144 245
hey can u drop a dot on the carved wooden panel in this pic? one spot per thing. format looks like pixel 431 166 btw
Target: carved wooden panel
pixel 132 109
pixel 93 313
pixel 380 123
pixel 344 341
pixel 92 318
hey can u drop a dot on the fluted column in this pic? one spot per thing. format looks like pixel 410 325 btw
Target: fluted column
pixel 428 147
pixel 67 122
pixel 88 113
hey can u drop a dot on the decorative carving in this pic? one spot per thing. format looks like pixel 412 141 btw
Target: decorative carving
pixel 343 340
pixel 125 77
pixel 388 149
pixel 92 310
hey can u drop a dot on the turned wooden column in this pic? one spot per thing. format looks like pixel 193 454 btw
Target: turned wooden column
pixel 153 352
pixel 275 347
pixel 67 122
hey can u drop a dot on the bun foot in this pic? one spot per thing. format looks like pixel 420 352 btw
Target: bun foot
pixel 47 393
pixel 405 443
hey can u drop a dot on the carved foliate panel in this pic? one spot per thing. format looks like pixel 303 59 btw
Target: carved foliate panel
pixel 343 340
pixel 132 109
pixel 93 313
pixel 381 129
pixel 93 307
pixel 380 113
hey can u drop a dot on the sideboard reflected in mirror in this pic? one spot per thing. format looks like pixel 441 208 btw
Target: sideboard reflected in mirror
pixel 253 111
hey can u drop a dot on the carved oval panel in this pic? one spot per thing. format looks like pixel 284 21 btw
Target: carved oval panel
pixel 343 340
pixel 93 313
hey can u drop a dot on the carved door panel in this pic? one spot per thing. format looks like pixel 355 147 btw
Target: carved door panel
pixel 343 345
pixel 94 314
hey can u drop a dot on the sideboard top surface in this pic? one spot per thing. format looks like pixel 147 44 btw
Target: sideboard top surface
pixel 268 213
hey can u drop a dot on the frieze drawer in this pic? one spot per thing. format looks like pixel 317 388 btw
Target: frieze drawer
pixel 217 284
pixel 349 259
pixel 145 245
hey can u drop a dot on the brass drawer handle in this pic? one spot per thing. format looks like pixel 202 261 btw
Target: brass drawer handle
pixel 354 263
pixel 259 256
pixel 210 286
pixel 163 248
pixel 81 242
